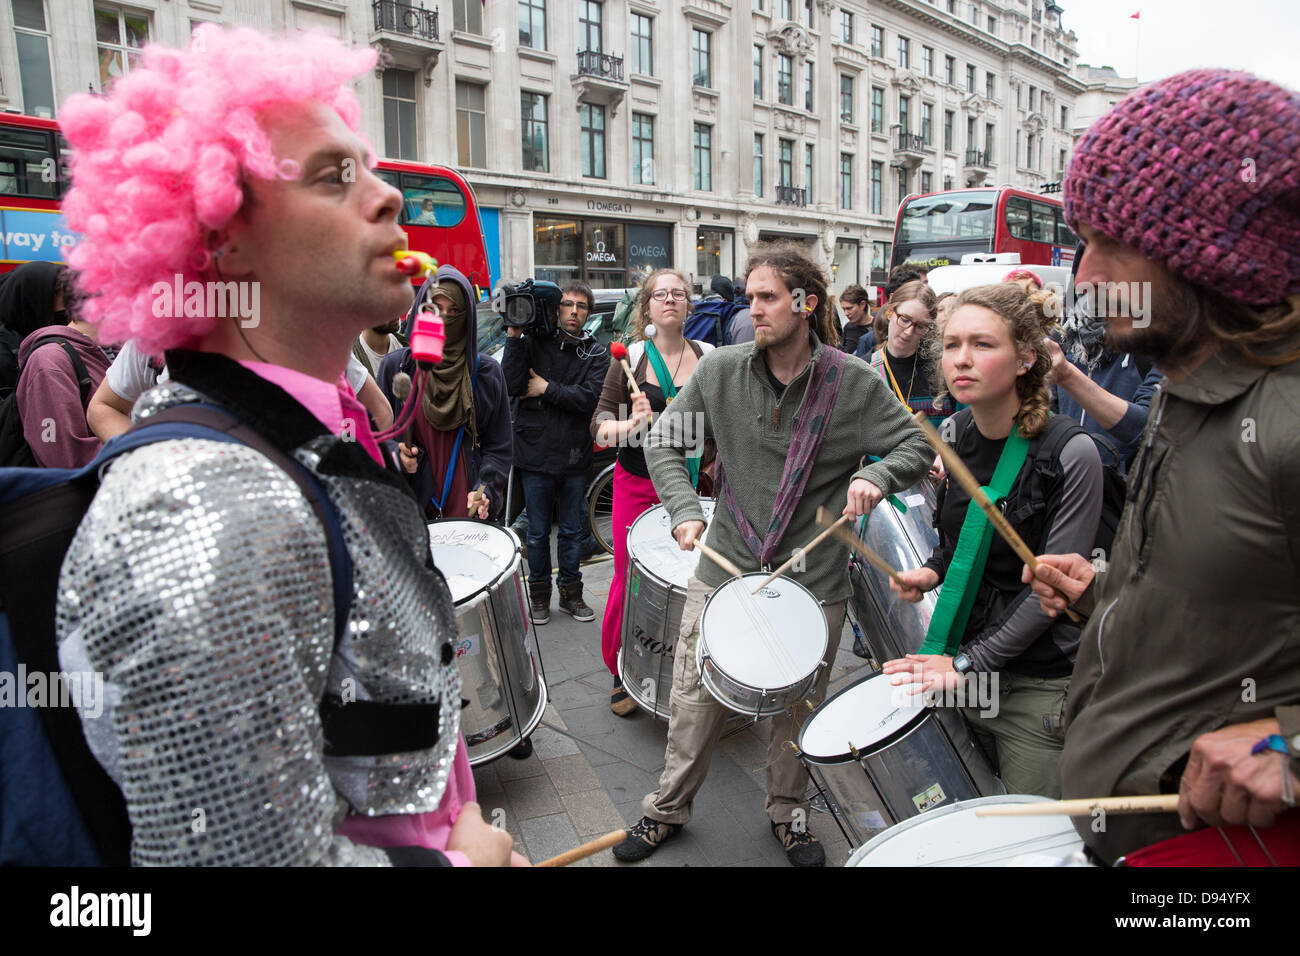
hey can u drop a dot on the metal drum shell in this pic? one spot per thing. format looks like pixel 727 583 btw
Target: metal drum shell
pixel 756 702
pixel 500 663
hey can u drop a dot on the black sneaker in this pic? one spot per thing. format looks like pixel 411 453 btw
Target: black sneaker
pixel 801 847
pixel 644 838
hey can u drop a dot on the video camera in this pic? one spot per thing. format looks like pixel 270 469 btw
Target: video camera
pixel 530 305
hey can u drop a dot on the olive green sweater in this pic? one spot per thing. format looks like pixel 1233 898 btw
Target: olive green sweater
pixel 729 399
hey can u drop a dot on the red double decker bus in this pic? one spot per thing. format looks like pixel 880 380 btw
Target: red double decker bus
pixel 937 229
pixel 439 213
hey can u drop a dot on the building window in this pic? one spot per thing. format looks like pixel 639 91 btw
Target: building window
pixel 589 32
pixel 952 6
pixel 1065 117
pixel 1033 99
pixel 643 45
pixel 877 109
pixel 1029 152
pixel 703 157
pixel 471 125
pixel 808 85
pixel 701 61
pixel 119 37
pixel 947 183
pixel 877 174
pixel 399 114
pixel 950 70
pixel 846 26
pixel 592 139
pixel 970 78
pixel 926 181
pixel 758 164
pixel 905 113
pixel 808 171
pixel 903 186
pixel 990 86
pixel 993 25
pixel 970 133
pixel 806 14
pixel 467 16
pixel 927 124
pixel 846 99
pixel 1060 166
pixel 643 149
pixel 947 130
pixel 785 79
pixel 787 10
pixel 535 136
pixel 846 181
pixel 758 72
pixel 988 142
pixel 532 24
pixel 785 163
pixel 904 52
pixel 33 38
pixel 877 41
pixel 927 60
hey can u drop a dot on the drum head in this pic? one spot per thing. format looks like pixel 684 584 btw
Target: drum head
pixel 769 640
pixel 870 714
pixel 471 555
pixel 955 836
pixel 650 543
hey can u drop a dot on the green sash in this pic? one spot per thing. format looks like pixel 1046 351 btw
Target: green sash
pixel 670 392
pixel 966 570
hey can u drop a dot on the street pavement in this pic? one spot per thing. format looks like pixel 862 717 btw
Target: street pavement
pixel 590 768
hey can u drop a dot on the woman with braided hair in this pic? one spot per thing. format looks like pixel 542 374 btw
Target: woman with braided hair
pixel 1046 473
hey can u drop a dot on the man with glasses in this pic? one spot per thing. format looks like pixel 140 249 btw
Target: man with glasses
pixel 557 377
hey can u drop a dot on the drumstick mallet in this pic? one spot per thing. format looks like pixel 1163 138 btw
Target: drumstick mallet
pixel 719 560
pixel 957 468
pixel 800 553
pixel 485 478
pixel 613 838
pixel 843 535
pixel 619 351
pixel 1152 803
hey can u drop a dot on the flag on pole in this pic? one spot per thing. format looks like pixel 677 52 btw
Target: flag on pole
pixel 1136 16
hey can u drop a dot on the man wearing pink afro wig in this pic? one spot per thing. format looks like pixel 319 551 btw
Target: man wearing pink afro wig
pixel 1187 195
pixel 199 581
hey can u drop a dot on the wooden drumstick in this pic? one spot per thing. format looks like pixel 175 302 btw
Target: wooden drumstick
pixel 802 552
pixel 613 838
pixel 619 351
pixel 957 468
pixel 1151 803
pixel 719 560
pixel 852 540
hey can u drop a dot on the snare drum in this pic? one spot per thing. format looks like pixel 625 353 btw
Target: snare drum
pixel 955 836
pixel 500 666
pixel 881 756
pixel 759 654
pixel 654 596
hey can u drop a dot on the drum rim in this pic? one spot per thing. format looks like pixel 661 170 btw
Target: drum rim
pixel 701 641
pixel 631 549
pixel 509 570
pixel 884 743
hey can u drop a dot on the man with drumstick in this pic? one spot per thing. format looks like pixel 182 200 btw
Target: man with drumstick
pixel 792 417
pixel 1188 673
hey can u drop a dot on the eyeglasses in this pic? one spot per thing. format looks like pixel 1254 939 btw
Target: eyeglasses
pixel 904 323
pixel 660 295
pixel 576 306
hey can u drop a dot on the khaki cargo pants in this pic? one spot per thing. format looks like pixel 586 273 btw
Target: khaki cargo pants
pixel 696 720
pixel 1023 741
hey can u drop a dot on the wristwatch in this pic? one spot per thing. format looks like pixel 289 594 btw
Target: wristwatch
pixel 962 664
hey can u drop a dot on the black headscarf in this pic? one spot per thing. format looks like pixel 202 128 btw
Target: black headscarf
pixel 27 298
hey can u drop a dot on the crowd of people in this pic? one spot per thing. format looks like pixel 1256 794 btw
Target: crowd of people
pixel 319 737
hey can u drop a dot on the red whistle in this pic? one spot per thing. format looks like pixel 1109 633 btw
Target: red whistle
pixel 428 335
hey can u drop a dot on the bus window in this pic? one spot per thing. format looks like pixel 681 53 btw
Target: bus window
pixel 432 201
pixel 1064 235
pixel 1018 218
pixel 27 166
pixel 1044 222
pixel 948 216
pixel 390 177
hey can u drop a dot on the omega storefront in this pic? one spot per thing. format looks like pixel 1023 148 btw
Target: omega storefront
pixel 596 247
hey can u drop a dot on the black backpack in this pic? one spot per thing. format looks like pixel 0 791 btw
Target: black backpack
pixel 1113 485
pixel 14 450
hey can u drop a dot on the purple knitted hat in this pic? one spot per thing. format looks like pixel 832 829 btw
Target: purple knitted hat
pixel 1201 173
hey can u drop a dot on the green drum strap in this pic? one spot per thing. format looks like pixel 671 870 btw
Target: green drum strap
pixel 966 570
pixel 670 392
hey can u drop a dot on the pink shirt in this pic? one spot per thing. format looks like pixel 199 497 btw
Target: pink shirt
pixel 337 408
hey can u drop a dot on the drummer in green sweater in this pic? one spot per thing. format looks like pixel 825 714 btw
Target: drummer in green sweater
pixel 793 418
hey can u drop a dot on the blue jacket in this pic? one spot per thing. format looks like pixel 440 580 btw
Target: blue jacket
pixel 1117 373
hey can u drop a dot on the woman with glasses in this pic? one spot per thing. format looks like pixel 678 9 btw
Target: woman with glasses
pixel 661 363
pixel 905 360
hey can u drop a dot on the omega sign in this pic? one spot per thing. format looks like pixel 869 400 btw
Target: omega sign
pixel 600 255
pixel 608 205
pixel 649 251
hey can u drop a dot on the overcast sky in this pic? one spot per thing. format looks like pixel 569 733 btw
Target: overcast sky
pixel 1262 36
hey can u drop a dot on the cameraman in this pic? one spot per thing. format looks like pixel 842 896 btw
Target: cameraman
pixel 556 373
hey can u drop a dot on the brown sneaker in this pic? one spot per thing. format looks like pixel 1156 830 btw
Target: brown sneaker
pixel 643 838
pixel 801 847
pixel 539 595
pixel 620 702
pixel 571 602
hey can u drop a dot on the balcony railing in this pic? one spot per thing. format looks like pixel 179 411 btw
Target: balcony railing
pixel 792 195
pixel 406 19
pixel 978 158
pixel 592 63
pixel 910 142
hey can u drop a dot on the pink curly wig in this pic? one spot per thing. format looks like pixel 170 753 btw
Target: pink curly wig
pixel 161 160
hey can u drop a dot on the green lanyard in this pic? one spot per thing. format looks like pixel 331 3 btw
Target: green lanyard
pixel 966 570
pixel 670 392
